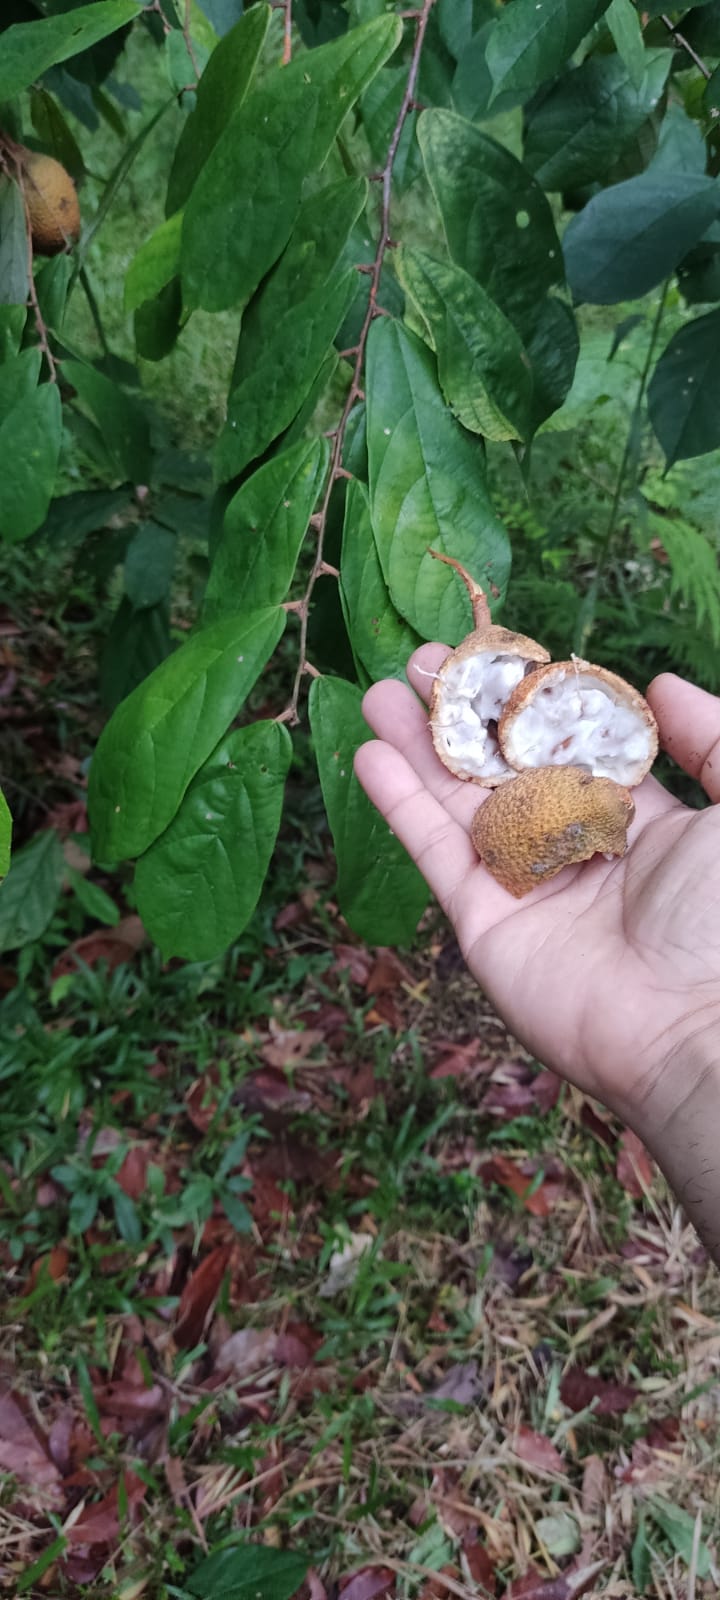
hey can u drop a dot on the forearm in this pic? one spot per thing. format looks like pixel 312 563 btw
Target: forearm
pixel 680 1124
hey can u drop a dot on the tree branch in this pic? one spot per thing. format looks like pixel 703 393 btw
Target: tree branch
pixel 685 45
pixel 374 271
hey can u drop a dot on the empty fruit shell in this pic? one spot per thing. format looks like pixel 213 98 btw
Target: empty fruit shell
pixel 549 818
pixel 472 688
pixel 573 713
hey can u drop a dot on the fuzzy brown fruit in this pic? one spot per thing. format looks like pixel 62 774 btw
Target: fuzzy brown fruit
pixel 572 713
pixel 472 687
pixel 52 204
pixel 547 819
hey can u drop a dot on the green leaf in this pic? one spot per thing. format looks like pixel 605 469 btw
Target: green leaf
pixel 681 146
pixel 156 262
pixel 641 1557
pixel 29 48
pixel 122 420
pixel 158 322
pixel 629 237
pixel 248 1572
pixel 30 438
pixel 149 565
pixel 159 737
pixel 624 24
pixel 263 530
pixel 266 402
pixel 711 93
pixel 532 38
pixel 31 890
pixel 13 244
pixel 582 125
pixel 5 835
pixel 18 380
pixel 52 282
pixel 239 219
pixel 379 890
pixel 381 104
pixel 379 636
pixel 53 132
pixel 684 391
pixel 694 574
pixel 679 1527
pixel 484 371
pixel 94 900
pixel 12 323
pixel 135 645
pixel 198 885
pixel 220 92
pixel 551 347
pixel 498 223
pixel 427 488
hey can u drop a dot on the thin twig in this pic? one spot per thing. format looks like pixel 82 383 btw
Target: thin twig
pixel 287 33
pixel 187 36
pixel 374 270
pixel 686 45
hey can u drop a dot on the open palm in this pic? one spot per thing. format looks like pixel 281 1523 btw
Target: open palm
pixel 610 969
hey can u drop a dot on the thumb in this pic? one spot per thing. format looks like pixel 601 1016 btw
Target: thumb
pixel 689 723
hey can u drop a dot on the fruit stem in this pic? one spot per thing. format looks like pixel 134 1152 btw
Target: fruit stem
pixel 478 597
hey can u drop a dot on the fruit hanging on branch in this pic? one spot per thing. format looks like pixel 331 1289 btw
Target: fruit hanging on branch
pixel 550 818
pixel 51 202
pixel 472 688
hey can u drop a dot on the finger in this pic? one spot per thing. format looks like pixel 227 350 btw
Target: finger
pixel 439 845
pixel 689 723
pixel 396 716
pixel 424 665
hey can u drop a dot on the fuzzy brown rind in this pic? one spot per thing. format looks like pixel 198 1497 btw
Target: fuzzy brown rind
pixel 620 691
pixel 493 640
pixel 547 819
pixel 52 204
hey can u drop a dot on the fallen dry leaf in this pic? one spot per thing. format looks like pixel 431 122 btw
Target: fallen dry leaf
pixel 112 945
pixel 536 1450
pixel 503 1170
pixel 199 1296
pixel 100 1523
pixel 367 1583
pixel 246 1351
pixel 23 1454
pixel 634 1169
pixel 578 1389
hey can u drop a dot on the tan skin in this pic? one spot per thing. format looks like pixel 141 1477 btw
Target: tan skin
pixel 610 973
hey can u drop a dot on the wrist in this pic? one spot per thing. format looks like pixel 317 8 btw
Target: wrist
pixel 679 1122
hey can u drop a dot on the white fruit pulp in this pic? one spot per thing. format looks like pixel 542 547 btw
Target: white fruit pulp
pixel 577 722
pixel 472 693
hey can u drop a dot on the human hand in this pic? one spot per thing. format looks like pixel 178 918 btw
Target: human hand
pixel 610 973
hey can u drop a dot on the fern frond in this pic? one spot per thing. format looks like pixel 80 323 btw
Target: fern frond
pixel 694 573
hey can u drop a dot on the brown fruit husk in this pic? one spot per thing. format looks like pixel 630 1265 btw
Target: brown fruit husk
pixel 549 818
pixel 605 725
pixel 52 203
pixel 507 654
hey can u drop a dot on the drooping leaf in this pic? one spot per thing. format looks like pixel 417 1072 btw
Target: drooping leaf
pixel 160 736
pixel 267 400
pixel 379 889
pixel 12 323
pixel 13 244
pixel 149 564
pixel 158 322
pixel 582 125
pixel 381 638
pixel 18 379
pixel 122 419
pixel 427 488
pixel 220 91
pixel 137 642
pixel 681 146
pixel 498 223
pixel 54 132
pixel 532 38
pixel 52 283
pixel 263 530
pixel 381 104
pixel 551 347
pixel 484 372
pixel 5 835
pixel 29 48
pixel 238 220
pixel 93 899
pixel 624 24
pixel 30 437
pixel 248 1572
pixel 629 237
pixel 684 391
pixel 31 890
pixel 156 262
pixel 199 884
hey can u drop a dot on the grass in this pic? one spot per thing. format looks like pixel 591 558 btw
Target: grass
pixel 299 1246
